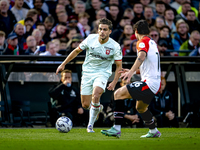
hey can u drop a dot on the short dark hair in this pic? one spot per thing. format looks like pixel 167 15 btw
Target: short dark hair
pixel 189 11
pixel 41 1
pixel 107 22
pixel 66 71
pixel 142 27
pixel 165 26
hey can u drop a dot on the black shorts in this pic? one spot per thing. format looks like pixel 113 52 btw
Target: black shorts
pixel 139 90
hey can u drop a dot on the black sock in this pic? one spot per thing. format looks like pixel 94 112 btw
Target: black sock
pixel 148 119
pixel 118 111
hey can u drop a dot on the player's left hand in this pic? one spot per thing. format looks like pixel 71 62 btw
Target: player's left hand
pixel 127 76
pixel 111 86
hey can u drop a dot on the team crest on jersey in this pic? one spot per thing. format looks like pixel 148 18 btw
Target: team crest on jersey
pixel 141 45
pixel 107 52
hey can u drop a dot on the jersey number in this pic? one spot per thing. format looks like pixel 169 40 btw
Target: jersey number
pixel 158 60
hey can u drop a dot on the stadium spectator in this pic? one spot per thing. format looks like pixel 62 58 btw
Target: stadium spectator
pixel 160 9
pixel 191 44
pixel 145 3
pixel 28 25
pixel 138 11
pixel 72 23
pixel 166 36
pixel 68 7
pixel 59 8
pixel 117 32
pixel 13 48
pixel 114 15
pixel 116 2
pixel 59 31
pixel 95 6
pixel 31 44
pixel 62 16
pixel 159 22
pixel 2 42
pixel 83 26
pixel 127 33
pixel 182 34
pixel 38 37
pixel 128 4
pixel 48 23
pixel 70 33
pixel 19 30
pixel 126 45
pixel 148 15
pixel 133 50
pixel 162 107
pixel 79 7
pixel 66 100
pixel 192 21
pixel 169 19
pixel 7 19
pixel 154 33
pixel 63 46
pixel 183 11
pixel 18 11
pixel 57 44
pixel 32 13
pixel 42 29
pixel 129 13
pixel 101 13
pixel 168 6
pixel 185 7
pixel 50 50
pixel 41 14
pixel 74 43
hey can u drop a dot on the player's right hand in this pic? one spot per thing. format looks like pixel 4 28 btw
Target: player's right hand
pixel 60 68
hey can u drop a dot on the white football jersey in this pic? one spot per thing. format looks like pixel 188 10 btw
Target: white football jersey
pixel 150 69
pixel 100 57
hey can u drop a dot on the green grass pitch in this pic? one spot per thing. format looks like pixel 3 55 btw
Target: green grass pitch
pixel 79 139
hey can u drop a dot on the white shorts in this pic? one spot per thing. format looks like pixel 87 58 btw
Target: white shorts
pixel 90 81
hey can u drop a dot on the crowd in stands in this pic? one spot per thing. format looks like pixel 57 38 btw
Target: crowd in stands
pixel 27 26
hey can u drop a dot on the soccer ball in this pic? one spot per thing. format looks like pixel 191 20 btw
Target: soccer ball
pixel 64 124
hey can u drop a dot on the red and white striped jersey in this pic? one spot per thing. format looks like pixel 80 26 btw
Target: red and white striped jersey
pixel 150 69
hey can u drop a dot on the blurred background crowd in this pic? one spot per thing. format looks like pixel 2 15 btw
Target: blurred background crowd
pixel 56 27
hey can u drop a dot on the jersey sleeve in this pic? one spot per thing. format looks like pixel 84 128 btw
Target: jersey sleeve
pixel 83 45
pixel 118 53
pixel 142 45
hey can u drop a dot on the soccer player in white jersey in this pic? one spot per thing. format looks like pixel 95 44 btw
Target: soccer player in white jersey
pixel 101 53
pixel 148 62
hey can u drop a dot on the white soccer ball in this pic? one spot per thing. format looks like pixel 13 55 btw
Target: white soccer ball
pixel 64 124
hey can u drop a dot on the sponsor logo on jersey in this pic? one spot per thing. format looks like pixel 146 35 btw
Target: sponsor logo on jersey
pixel 141 45
pixel 108 48
pixel 98 56
pixel 107 52
pixel 92 48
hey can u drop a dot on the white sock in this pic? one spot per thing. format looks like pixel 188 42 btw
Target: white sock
pixel 117 127
pixel 94 110
pixel 153 130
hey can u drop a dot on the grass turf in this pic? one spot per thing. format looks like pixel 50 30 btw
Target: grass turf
pixel 79 139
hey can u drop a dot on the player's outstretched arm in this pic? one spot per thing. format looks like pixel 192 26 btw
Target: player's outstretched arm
pixel 70 57
pixel 139 60
pixel 112 85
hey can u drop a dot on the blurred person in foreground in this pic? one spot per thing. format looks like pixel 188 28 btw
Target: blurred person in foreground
pixel 101 53
pixel 148 62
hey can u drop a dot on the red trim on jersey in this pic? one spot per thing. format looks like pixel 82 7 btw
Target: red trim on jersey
pixel 80 48
pixel 143 44
pixel 145 87
pixel 119 60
